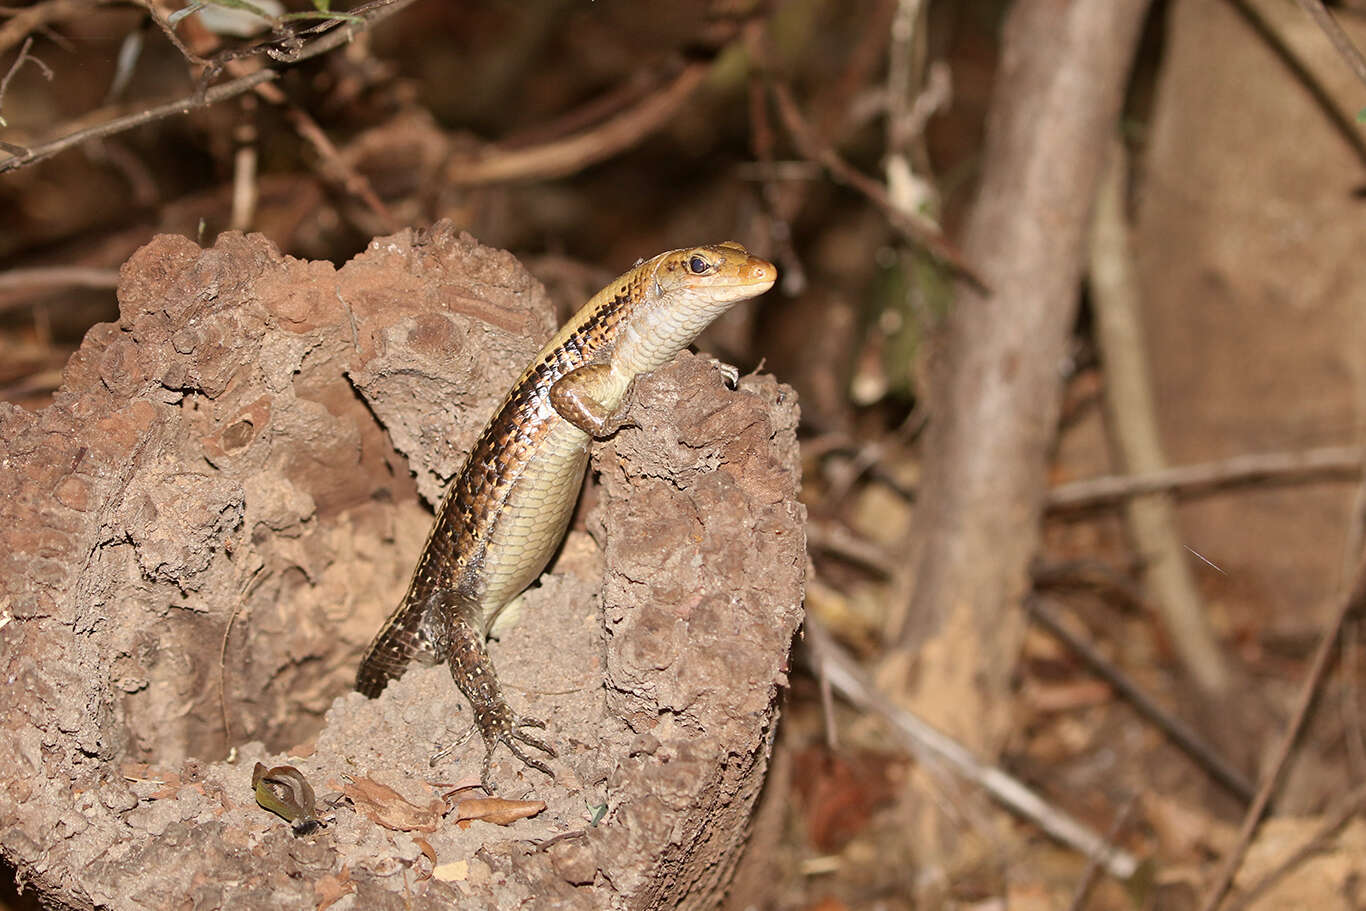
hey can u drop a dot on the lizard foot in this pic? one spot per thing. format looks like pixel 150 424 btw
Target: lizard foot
pixel 504 728
pixel 510 733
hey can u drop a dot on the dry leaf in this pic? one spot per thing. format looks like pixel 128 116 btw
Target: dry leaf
pixel 428 852
pixel 1186 831
pixel 1065 697
pixel 137 771
pixel 303 750
pixel 332 887
pixel 385 806
pixel 841 793
pixel 1329 877
pixel 170 787
pixel 497 810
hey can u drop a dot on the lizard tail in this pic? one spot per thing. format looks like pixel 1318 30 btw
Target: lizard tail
pixel 402 639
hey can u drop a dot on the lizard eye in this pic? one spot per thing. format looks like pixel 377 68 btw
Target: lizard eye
pixel 698 265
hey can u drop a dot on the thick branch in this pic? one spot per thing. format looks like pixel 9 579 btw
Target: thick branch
pixel 1132 413
pixel 574 153
pixel 995 400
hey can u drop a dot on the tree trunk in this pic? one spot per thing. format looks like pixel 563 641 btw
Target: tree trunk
pixel 995 395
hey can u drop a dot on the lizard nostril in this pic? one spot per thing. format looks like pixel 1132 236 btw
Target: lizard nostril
pixel 758 270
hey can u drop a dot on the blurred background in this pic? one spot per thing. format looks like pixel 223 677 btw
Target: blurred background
pixel 1072 298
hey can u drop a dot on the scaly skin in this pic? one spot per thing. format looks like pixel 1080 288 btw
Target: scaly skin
pixel 507 510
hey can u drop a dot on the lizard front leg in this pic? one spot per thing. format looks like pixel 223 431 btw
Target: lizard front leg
pixel 459 636
pixel 578 397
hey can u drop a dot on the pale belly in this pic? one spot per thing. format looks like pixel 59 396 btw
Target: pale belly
pixel 533 520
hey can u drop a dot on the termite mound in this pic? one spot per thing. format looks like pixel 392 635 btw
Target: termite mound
pixel 224 500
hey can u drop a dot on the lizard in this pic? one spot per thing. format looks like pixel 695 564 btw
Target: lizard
pixel 505 513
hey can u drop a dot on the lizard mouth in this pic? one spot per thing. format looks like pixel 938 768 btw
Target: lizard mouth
pixel 754 276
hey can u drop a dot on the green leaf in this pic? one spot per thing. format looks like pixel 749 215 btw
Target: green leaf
pixel 245 7
pixel 339 17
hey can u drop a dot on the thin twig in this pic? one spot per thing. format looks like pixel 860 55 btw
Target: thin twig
pixel 245 189
pixel 331 166
pixel 230 89
pixel 1199 479
pixel 921 232
pixel 845 676
pixel 1092 871
pixel 24 57
pixel 1336 35
pixel 1350 602
pixel 168 29
pixel 1346 809
pixel 1351 703
pixel 1206 756
pixel 342 171
pixel 248 588
pixel 1202 477
pixel 27 21
pixel 1341 121
pixel 121 124
pixel 561 157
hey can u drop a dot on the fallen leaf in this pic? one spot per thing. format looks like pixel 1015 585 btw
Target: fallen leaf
pixel 303 750
pixel 1186 831
pixel 839 794
pixel 385 806
pixel 428 852
pixel 137 771
pixel 497 810
pixel 1066 697
pixel 170 787
pixel 332 887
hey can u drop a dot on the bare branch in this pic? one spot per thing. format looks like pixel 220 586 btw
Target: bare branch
pixel 377 11
pixel 24 57
pixel 122 124
pixel 1340 120
pixel 921 232
pixel 1132 410
pixel 1205 755
pixel 843 673
pixel 1202 477
pixel 574 153
pixel 27 21
pixel 1341 42
pixel 59 276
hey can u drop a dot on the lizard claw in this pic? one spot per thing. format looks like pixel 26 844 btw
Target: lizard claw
pixel 450 748
pixel 508 730
pixel 730 374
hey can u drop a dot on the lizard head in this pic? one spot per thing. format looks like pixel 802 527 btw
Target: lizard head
pixel 675 295
pixel 720 274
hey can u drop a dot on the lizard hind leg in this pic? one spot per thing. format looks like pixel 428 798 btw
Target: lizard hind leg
pixel 460 637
